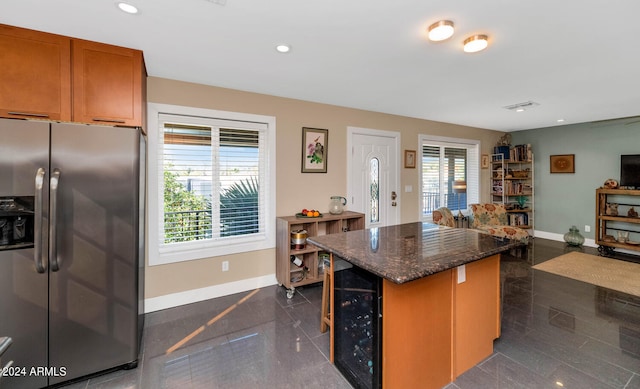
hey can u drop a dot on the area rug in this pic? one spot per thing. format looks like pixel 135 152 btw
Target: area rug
pixel 606 272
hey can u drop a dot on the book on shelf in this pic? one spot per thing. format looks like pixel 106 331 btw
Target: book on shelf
pixel 518 219
pixel 517 188
pixel 520 153
pixel 517 153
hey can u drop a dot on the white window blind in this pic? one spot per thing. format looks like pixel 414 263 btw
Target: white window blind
pixel 443 162
pixel 214 181
pixel 187 174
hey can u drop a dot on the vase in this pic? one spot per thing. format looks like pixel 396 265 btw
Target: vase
pixel 573 237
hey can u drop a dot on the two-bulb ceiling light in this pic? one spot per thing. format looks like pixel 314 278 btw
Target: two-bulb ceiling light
pixel 443 30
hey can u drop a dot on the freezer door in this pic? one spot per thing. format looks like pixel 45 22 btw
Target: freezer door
pixel 93 250
pixel 24 150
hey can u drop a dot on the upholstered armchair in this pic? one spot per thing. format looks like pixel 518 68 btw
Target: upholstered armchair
pixel 443 217
pixel 492 219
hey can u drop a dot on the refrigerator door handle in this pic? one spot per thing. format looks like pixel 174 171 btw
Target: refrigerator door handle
pixel 53 216
pixel 37 233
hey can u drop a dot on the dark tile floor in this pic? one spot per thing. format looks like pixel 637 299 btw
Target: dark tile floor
pixel 556 332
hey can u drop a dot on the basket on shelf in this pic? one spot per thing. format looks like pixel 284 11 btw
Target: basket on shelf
pixel 520 173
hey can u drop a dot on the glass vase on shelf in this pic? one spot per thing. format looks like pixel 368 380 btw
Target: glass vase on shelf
pixel 573 237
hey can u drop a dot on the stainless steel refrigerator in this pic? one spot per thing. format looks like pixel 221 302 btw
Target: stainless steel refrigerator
pixel 71 249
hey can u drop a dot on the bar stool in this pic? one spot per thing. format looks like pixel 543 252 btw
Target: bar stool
pixel 325 315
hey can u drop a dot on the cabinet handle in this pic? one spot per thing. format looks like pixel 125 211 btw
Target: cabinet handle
pixel 37 115
pixel 108 120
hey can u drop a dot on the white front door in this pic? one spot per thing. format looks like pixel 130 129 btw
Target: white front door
pixel 373 175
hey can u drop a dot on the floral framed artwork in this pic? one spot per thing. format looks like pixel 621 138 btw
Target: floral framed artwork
pixel 315 147
pixel 562 163
pixel 410 159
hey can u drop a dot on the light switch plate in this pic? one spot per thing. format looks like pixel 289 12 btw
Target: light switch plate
pixel 408 188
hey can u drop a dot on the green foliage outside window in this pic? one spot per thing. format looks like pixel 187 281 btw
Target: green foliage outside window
pixel 187 216
pixel 239 208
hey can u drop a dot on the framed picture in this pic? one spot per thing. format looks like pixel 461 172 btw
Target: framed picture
pixel 315 146
pixel 410 159
pixel 484 161
pixel 562 163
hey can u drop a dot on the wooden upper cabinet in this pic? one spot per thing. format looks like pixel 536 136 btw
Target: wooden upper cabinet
pixel 108 84
pixel 54 77
pixel 35 74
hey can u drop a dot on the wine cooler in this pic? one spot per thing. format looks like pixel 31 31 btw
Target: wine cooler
pixel 357 325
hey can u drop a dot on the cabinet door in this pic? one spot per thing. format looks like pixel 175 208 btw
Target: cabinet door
pixel 35 80
pixel 107 84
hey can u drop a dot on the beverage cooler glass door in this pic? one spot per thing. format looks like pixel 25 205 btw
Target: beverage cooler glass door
pixel 24 161
pixel 357 325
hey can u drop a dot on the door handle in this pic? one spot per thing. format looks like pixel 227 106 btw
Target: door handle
pixel 37 228
pixel 53 216
pixel 5 342
pixel 394 196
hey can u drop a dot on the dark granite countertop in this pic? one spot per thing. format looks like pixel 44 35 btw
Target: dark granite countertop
pixel 406 252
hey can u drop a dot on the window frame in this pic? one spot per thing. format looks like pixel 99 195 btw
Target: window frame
pixel 472 174
pixel 161 253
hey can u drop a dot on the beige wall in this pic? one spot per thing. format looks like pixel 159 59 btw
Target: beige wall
pixel 294 190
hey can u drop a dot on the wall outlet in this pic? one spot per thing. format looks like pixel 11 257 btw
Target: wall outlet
pixel 587 228
pixel 225 265
pixel 462 274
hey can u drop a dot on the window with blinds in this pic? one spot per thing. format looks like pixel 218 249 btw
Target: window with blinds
pixel 449 174
pixel 213 179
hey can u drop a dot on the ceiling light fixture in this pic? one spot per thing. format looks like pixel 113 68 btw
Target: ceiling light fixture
pixel 128 8
pixel 283 48
pixel 440 30
pixel 475 43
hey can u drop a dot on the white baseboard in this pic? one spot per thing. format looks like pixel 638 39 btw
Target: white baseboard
pixel 191 296
pixel 560 238
pixel 587 242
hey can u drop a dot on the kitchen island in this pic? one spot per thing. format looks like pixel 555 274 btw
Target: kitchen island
pixel 412 305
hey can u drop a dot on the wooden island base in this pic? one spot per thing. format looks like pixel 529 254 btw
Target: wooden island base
pixel 414 305
pixel 435 328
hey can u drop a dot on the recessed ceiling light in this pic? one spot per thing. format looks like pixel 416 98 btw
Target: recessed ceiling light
pixel 440 30
pixel 283 48
pixel 128 8
pixel 475 43
pixel 560 120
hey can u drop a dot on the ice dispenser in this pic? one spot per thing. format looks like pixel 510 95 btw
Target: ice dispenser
pixel 16 222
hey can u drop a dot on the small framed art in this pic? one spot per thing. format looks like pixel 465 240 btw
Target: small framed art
pixel 562 163
pixel 315 147
pixel 484 161
pixel 410 159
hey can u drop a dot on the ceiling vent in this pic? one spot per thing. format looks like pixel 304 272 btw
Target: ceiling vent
pixel 521 106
